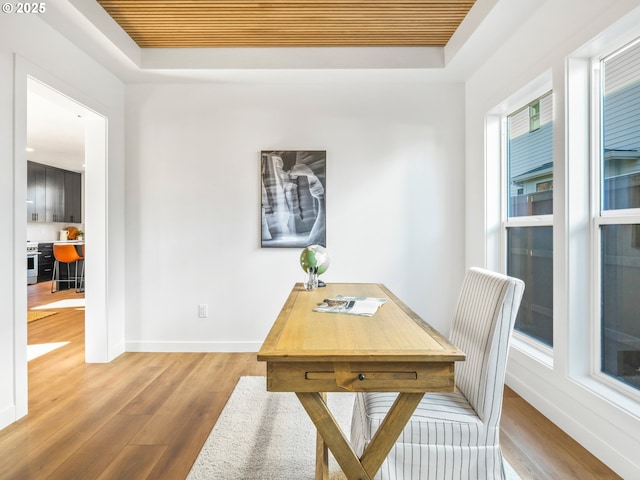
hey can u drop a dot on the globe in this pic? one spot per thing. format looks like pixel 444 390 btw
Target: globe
pixel 315 256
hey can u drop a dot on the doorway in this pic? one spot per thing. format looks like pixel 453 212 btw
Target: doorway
pixel 56 164
pixel 104 314
pixel 95 208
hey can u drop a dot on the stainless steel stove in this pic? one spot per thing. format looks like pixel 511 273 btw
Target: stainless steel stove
pixel 32 262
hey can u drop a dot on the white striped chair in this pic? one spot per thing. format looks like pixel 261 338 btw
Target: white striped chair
pixel 455 436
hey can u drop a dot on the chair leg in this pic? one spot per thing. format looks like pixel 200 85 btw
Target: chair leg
pixel 68 276
pixel 81 288
pixel 56 276
pixel 56 269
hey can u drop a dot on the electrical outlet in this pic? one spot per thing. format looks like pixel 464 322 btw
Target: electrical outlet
pixel 203 310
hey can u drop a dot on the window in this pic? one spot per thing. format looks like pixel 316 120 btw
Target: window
pixel 529 224
pixel 618 218
pixel 534 116
pixel 544 186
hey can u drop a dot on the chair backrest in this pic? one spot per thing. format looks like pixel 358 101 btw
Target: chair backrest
pixel 486 312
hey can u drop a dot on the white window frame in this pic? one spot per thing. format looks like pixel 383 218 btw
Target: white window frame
pixel 528 95
pixel 496 199
pixel 599 218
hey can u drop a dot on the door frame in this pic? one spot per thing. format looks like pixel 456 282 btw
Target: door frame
pixel 97 325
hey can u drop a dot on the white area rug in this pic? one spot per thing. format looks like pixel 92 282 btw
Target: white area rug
pixel 262 435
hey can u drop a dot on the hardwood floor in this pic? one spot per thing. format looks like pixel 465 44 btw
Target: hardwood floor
pixel 146 415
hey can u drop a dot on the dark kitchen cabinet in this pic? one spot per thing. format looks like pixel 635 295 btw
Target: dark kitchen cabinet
pixel 72 197
pixel 45 262
pixel 36 187
pixel 53 194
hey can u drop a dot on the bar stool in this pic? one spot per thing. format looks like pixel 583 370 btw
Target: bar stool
pixel 64 254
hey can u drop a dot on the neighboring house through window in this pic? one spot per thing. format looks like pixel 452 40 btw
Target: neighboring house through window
pixel 529 224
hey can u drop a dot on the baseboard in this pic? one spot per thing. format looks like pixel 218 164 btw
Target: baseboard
pixel 115 351
pixel 226 347
pixel 7 416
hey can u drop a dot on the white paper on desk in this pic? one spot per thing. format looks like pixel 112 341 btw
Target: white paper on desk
pixel 365 306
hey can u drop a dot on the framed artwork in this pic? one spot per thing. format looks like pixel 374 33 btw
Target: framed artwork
pixel 293 198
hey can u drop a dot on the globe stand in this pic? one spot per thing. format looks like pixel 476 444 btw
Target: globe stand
pixel 311 280
pixel 314 260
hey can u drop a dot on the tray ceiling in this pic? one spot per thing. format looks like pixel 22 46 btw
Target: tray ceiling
pixel 287 23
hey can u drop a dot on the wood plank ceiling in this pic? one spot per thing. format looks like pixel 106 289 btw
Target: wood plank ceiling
pixel 287 23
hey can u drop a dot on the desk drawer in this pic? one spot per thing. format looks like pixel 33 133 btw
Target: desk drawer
pixel 360 377
pixel 365 375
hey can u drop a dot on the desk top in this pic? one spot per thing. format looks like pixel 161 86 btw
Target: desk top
pixel 394 334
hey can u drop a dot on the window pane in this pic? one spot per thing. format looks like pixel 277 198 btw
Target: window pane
pixel 620 321
pixel 530 258
pixel 530 159
pixel 534 116
pixel 621 130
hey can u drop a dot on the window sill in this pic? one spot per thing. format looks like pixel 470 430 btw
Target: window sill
pixel 532 349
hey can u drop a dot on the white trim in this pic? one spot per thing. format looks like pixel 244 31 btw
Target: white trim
pixel 615 217
pixel 21 386
pixel 495 138
pixel 8 416
pixel 226 347
pixel 98 301
pixel 613 389
pixel 540 87
pixel 529 221
pixel 593 132
pixel 493 205
pixel 532 348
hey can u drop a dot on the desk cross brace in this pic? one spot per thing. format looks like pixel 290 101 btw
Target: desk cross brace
pixel 331 436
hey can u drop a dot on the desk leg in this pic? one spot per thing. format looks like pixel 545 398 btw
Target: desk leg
pixel 322 453
pixel 333 437
pixel 322 458
pixel 329 432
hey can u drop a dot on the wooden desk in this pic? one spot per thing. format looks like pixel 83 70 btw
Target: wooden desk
pixel 394 351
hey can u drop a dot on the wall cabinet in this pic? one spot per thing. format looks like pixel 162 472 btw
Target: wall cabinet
pixel 36 186
pixel 72 197
pixel 54 191
pixel 53 194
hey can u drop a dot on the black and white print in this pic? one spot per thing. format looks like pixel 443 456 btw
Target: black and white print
pixel 293 198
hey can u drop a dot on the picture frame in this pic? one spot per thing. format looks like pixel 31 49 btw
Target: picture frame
pixel 293 185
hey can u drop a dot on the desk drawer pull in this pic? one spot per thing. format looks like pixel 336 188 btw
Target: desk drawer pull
pixel 361 377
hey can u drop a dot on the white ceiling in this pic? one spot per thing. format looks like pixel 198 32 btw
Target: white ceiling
pixel 55 128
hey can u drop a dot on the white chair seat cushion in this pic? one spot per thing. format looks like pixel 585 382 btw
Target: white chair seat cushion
pixel 439 419
pixel 443 440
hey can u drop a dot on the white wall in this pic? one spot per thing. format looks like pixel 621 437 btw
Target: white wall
pixel 609 431
pixel 394 201
pixel 28 46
